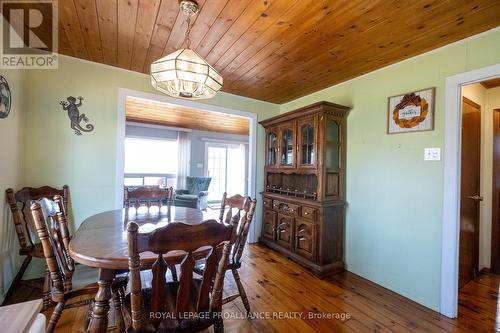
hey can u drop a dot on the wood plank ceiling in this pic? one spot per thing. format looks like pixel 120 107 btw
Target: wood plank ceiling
pixel 493 83
pixel 151 112
pixel 272 50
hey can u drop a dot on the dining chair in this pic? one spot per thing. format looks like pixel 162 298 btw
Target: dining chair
pixel 19 203
pixel 235 206
pixel 149 196
pixel 191 304
pixel 67 280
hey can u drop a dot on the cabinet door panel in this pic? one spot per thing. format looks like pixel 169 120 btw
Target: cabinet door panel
pixel 269 225
pixel 284 231
pixel 287 145
pixel 305 239
pixel 307 143
pixel 272 147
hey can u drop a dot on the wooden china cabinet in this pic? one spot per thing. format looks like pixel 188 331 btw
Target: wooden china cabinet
pixel 304 195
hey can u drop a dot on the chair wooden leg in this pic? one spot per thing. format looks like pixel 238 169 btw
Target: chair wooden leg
pixel 173 271
pixel 55 317
pixel 17 279
pixel 88 319
pixel 219 326
pixel 117 303
pixel 241 290
pixel 123 292
pixel 47 301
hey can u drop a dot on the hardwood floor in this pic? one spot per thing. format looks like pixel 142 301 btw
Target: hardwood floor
pixel 278 287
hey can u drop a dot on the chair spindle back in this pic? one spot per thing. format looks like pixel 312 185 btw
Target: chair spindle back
pixel 20 202
pixel 148 195
pixel 52 228
pixel 239 204
pixel 209 240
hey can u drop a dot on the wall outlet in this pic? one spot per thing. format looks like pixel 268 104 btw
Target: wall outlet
pixel 432 154
pixel 199 165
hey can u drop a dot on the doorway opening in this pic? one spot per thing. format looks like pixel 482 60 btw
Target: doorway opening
pixel 163 141
pixel 479 246
pixel 225 164
pixel 470 191
pixel 451 183
pixel 480 179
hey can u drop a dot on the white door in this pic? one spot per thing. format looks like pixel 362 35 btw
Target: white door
pixel 226 164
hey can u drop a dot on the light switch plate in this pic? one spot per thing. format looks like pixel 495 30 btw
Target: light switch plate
pixel 432 154
pixel 199 165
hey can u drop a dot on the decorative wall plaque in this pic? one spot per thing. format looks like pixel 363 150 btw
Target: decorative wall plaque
pixel 411 112
pixel 5 98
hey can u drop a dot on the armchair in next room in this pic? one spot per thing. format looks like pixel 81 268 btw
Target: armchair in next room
pixel 195 194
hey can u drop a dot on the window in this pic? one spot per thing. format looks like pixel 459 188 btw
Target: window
pixel 227 167
pixel 150 162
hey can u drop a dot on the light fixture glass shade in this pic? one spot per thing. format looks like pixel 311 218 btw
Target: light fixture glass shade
pixel 185 74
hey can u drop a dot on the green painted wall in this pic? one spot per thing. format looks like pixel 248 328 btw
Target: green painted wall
pixel 54 155
pixel 394 214
pixel 11 149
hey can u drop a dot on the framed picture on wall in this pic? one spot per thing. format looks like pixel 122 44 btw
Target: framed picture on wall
pixel 411 112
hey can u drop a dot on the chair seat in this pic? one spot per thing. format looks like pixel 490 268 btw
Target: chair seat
pixel 187 197
pixel 164 320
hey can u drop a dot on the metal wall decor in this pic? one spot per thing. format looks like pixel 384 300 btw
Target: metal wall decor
pixel 5 98
pixel 74 115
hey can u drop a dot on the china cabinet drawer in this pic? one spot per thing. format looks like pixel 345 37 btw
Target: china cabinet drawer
pixel 268 203
pixel 309 213
pixel 286 208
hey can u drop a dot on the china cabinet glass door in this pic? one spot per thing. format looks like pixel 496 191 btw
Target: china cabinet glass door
pixel 332 158
pixel 272 147
pixel 307 143
pixel 287 153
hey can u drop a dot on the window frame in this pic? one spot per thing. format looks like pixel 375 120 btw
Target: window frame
pixel 144 175
pixel 225 145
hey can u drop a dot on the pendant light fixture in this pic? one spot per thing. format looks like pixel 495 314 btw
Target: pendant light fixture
pixel 184 73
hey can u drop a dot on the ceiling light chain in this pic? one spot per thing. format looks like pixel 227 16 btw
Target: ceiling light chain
pixel 188 31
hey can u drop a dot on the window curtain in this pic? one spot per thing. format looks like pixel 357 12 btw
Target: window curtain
pixel 184 148
pixel 236 169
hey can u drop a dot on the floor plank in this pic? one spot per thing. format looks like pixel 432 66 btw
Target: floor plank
pixel 276 287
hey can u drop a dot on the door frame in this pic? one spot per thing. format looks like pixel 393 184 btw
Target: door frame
pixel 123 93
pixel 495 211
pixel 451 184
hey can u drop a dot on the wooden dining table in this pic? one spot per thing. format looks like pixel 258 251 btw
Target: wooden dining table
pixel 101 242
